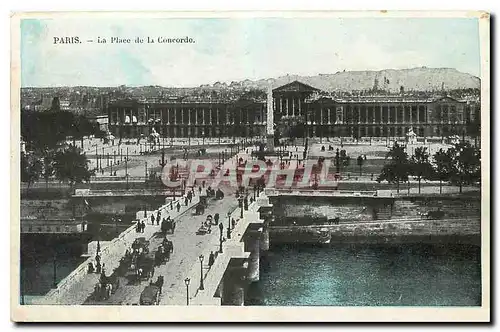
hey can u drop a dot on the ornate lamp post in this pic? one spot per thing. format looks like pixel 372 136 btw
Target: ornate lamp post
pixel 186 281
pixel 221 227
pixel 201 272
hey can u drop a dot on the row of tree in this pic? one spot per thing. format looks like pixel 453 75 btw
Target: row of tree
pixel 45 130
pixel 459 165
pixel 68 164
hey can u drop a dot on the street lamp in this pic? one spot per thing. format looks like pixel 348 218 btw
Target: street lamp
pixel 229 225
pixel 240 203
pixel 221 227
pixel 201 272
pixel 186 281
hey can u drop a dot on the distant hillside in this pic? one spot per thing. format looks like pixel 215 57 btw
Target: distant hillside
pixel 417 79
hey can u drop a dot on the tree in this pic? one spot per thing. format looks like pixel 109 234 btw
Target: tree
pixel 31 168
pixel 71 165
pixel 442 167
pixel 466 164
pixel 420 165
pixel 48 168
pixel 398 169
pixel 360 161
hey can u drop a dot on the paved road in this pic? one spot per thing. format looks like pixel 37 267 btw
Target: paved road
pixel 187 248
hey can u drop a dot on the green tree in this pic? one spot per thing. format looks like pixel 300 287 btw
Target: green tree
pixel 420 166
pixel 72 166
pixel 466 164
pixel 442 167
pixel 397 170
pixel 31 168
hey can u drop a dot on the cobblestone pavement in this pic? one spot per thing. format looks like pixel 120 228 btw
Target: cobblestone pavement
pixel 187 248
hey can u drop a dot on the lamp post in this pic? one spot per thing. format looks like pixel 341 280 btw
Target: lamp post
pixel 221 227
pixel 229 225
pixel 126 168
pixel 240 204
pixel 186 281
pixel 201 272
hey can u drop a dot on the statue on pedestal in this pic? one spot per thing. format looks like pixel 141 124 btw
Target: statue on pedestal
pixel 411 137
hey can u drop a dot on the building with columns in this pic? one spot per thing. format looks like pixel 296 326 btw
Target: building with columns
pixel 131 118
pixel 300 110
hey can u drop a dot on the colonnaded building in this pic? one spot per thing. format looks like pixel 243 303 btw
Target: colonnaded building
pixel 299 110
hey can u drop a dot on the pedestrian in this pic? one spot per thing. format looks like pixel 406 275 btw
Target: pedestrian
pixel 178 206
pixel 199 189
pixel 143 226
pixel 138 227
pixel 233 223
pixel 158 217
pixel 203 183
pixel 152 219
pixel 211 259
pixel 186 201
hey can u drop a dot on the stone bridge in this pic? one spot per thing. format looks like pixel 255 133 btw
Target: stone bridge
pixel 224 281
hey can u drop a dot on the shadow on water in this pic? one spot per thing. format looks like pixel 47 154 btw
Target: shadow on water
pixel 369 275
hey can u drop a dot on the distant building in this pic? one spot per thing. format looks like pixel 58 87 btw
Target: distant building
pixel 101 120
pixel 299 110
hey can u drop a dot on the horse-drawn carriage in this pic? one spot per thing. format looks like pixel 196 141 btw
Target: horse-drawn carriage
pixel 106 286
pixel 168 226
pixel 168 245
pixel 210 192
pixel 162 255
pixel 140 245
pixel 151 293
pixel 206 227
pixel 219 194
pixel 201 206
pixel 141 268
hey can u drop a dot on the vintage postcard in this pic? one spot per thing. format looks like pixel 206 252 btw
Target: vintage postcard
pixel 250 166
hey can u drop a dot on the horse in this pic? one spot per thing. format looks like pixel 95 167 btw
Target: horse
pixel 103 291
pixel 168 245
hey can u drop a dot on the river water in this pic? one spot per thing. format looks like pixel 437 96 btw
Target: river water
pixel 369 275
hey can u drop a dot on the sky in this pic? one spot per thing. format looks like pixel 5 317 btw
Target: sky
pixel 238 48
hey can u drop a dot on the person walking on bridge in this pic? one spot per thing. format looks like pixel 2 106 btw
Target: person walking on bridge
pixel 211 259
pixel 152 219
pixel 158 218
pixel 178 206
pixel 143 226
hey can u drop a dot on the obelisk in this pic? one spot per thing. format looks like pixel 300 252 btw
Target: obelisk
pixel 270 120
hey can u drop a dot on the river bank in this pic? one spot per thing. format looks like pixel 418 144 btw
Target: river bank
pixel 465 231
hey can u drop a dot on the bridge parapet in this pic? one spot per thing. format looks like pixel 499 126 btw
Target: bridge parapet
pixel 110 257
pixel 51 226
pixel 234 252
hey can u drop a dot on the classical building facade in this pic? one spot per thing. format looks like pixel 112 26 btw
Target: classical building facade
pixel 299 110
pixel 187 119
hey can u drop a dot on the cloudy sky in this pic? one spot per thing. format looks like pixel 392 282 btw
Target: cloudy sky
pixel 238 49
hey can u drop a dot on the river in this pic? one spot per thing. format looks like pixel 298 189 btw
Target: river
pixel 369 275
